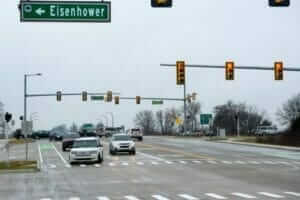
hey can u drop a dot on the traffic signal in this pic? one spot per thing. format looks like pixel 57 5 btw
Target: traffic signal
pixel 109 96
pixel 58 96
pixel 138 100
pixel 229 74
pixel 84 96
pixel 117 99
pixel 189 99
pixel 7 117
pixel 180 73
pixel 278 70
pixel 21 118
pixel 194 96
pixel 161 3
pixel 279 3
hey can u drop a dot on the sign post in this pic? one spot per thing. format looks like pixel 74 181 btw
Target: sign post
pixel 65 11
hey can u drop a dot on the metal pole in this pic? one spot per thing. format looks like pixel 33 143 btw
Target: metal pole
pixel 25 115
pixel 184 107
pixel 238 126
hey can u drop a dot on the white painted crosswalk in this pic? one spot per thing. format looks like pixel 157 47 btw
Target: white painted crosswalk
pixel 211 196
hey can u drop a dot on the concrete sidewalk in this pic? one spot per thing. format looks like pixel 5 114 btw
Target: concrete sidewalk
pixel 3 144
pixel 288 148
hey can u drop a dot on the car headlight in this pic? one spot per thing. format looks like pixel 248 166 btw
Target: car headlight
pixel 132 144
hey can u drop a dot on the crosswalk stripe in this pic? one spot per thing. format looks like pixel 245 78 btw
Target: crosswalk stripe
pixel 103 198
pixel 293 193
pixel 45 199
pixel 247 196
pixel 298 163
pixel 168 162
pixel 240 162
pixel 182 162
pixel 254 162
pixel 271 195
pixel 154 163
pixel 269 162
pixel 196 161
pixel 68 166
pixel 186 196
pixel 112 164
pixel 82 165
pixel 97 165
pixel 216 196
pixel 74 198
pixel 124 163
pixel 212 162
pixel 226 162
pixel 158 197
pixel 140 163
pixel 284 163
pixel 131 198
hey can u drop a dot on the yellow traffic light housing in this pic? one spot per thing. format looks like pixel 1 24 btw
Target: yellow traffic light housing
pixel 180 73
pixel 229 73
pixel 138 100
pixel 58 95
pixel 161 3
pixel 278 70
pixel 84 96
pixel 109 96
pixel 117 100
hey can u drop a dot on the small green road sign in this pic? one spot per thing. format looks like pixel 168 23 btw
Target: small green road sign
pixel 157 102
pixel 97 98
pixel 65 11
pixel 205 118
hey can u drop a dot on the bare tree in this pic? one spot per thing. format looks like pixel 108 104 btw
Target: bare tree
pixel 193 110
pixel 145 120
pixel 166 120
pixel 74 127
pixel 2 121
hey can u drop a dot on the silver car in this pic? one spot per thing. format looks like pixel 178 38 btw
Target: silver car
pixel 121 143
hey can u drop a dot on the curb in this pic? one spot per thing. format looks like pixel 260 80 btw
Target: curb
pixel 296 149
pixel 7 171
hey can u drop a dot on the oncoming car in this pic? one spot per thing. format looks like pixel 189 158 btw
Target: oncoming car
pixel 121 143
pixel 87 149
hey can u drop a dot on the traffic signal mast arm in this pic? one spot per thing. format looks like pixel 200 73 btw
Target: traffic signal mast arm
pixel 67 94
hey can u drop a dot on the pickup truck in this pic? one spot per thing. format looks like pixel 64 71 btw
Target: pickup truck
pixel 136 133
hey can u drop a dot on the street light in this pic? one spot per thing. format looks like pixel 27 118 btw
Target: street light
pixel 25 106
pixel 112 118
pixel 106 119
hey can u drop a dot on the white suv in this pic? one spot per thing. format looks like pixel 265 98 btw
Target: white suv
pixel 86 149
pixel 121 143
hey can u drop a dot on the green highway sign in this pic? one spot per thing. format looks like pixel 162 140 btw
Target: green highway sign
pixel 97 98
pixel 65 11
pixel 205 118
pixel 157 102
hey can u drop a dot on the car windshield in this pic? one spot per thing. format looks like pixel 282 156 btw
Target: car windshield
pixel 71 136
pixel 85 143
pixel 121 138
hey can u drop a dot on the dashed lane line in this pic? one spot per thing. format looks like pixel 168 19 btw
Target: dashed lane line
pixel 103 198
pixel 246 196
pixel 216 196
pixel 131 198
pixel 188 197
pixel 61 157
pixel 271 195
pixel 293 194
pixel 159 197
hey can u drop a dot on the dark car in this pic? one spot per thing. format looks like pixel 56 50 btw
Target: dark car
pixel 18 134
pixel 56 136
pixel 40 134
pixel 68 140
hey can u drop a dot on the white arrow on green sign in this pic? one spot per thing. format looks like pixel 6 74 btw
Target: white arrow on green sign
pixel 65 11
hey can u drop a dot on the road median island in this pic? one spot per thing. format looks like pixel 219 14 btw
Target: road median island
pixel 20 141
pixel 16 166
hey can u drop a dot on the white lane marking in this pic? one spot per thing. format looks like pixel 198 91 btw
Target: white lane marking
pixel 158 197
pixel 246 196
pixel 103 198
pixel 216 196
pixel 131 198
pixel 82 165
pixel 226 162
pixel 293 193
pixel 183 162
pixel 74 198
pixel 45 199
pixel 197 161
pixel 284 163
pixel 68 166
pixel 169 162
pixel 97 165
pixel 211 162
pixel 150 156
pixel 186 196
pixel 112 164
pixel 254 162
pixel 51 166
pixel 40 154
pixel 269 162
pixel 271 195
pixel 296 162
pixel 240 162
pixel 140 163
pixel 154 163
pixel 59 154
pixel 125 163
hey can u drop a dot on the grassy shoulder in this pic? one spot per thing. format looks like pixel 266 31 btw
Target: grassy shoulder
pixel 19 165
pixel 282 140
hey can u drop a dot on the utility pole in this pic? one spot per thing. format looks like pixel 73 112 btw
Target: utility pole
pixel 184 107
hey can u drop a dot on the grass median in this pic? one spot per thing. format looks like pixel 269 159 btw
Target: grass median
pixel 18 165
pixel 20 141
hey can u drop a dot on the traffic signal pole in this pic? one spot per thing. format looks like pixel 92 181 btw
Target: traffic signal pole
pixel 184 106
pixel 25 116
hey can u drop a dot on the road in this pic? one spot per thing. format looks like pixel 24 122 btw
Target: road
pixel 164 168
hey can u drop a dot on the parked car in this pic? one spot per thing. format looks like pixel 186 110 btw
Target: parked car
pixel 266 130
pixel 121 143
pixel 87 149
pixel 68 140
pixel 136 133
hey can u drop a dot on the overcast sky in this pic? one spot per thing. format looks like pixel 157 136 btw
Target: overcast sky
pixel 125 55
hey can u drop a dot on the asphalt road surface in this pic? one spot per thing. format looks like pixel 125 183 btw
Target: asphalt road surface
pixel 164 168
